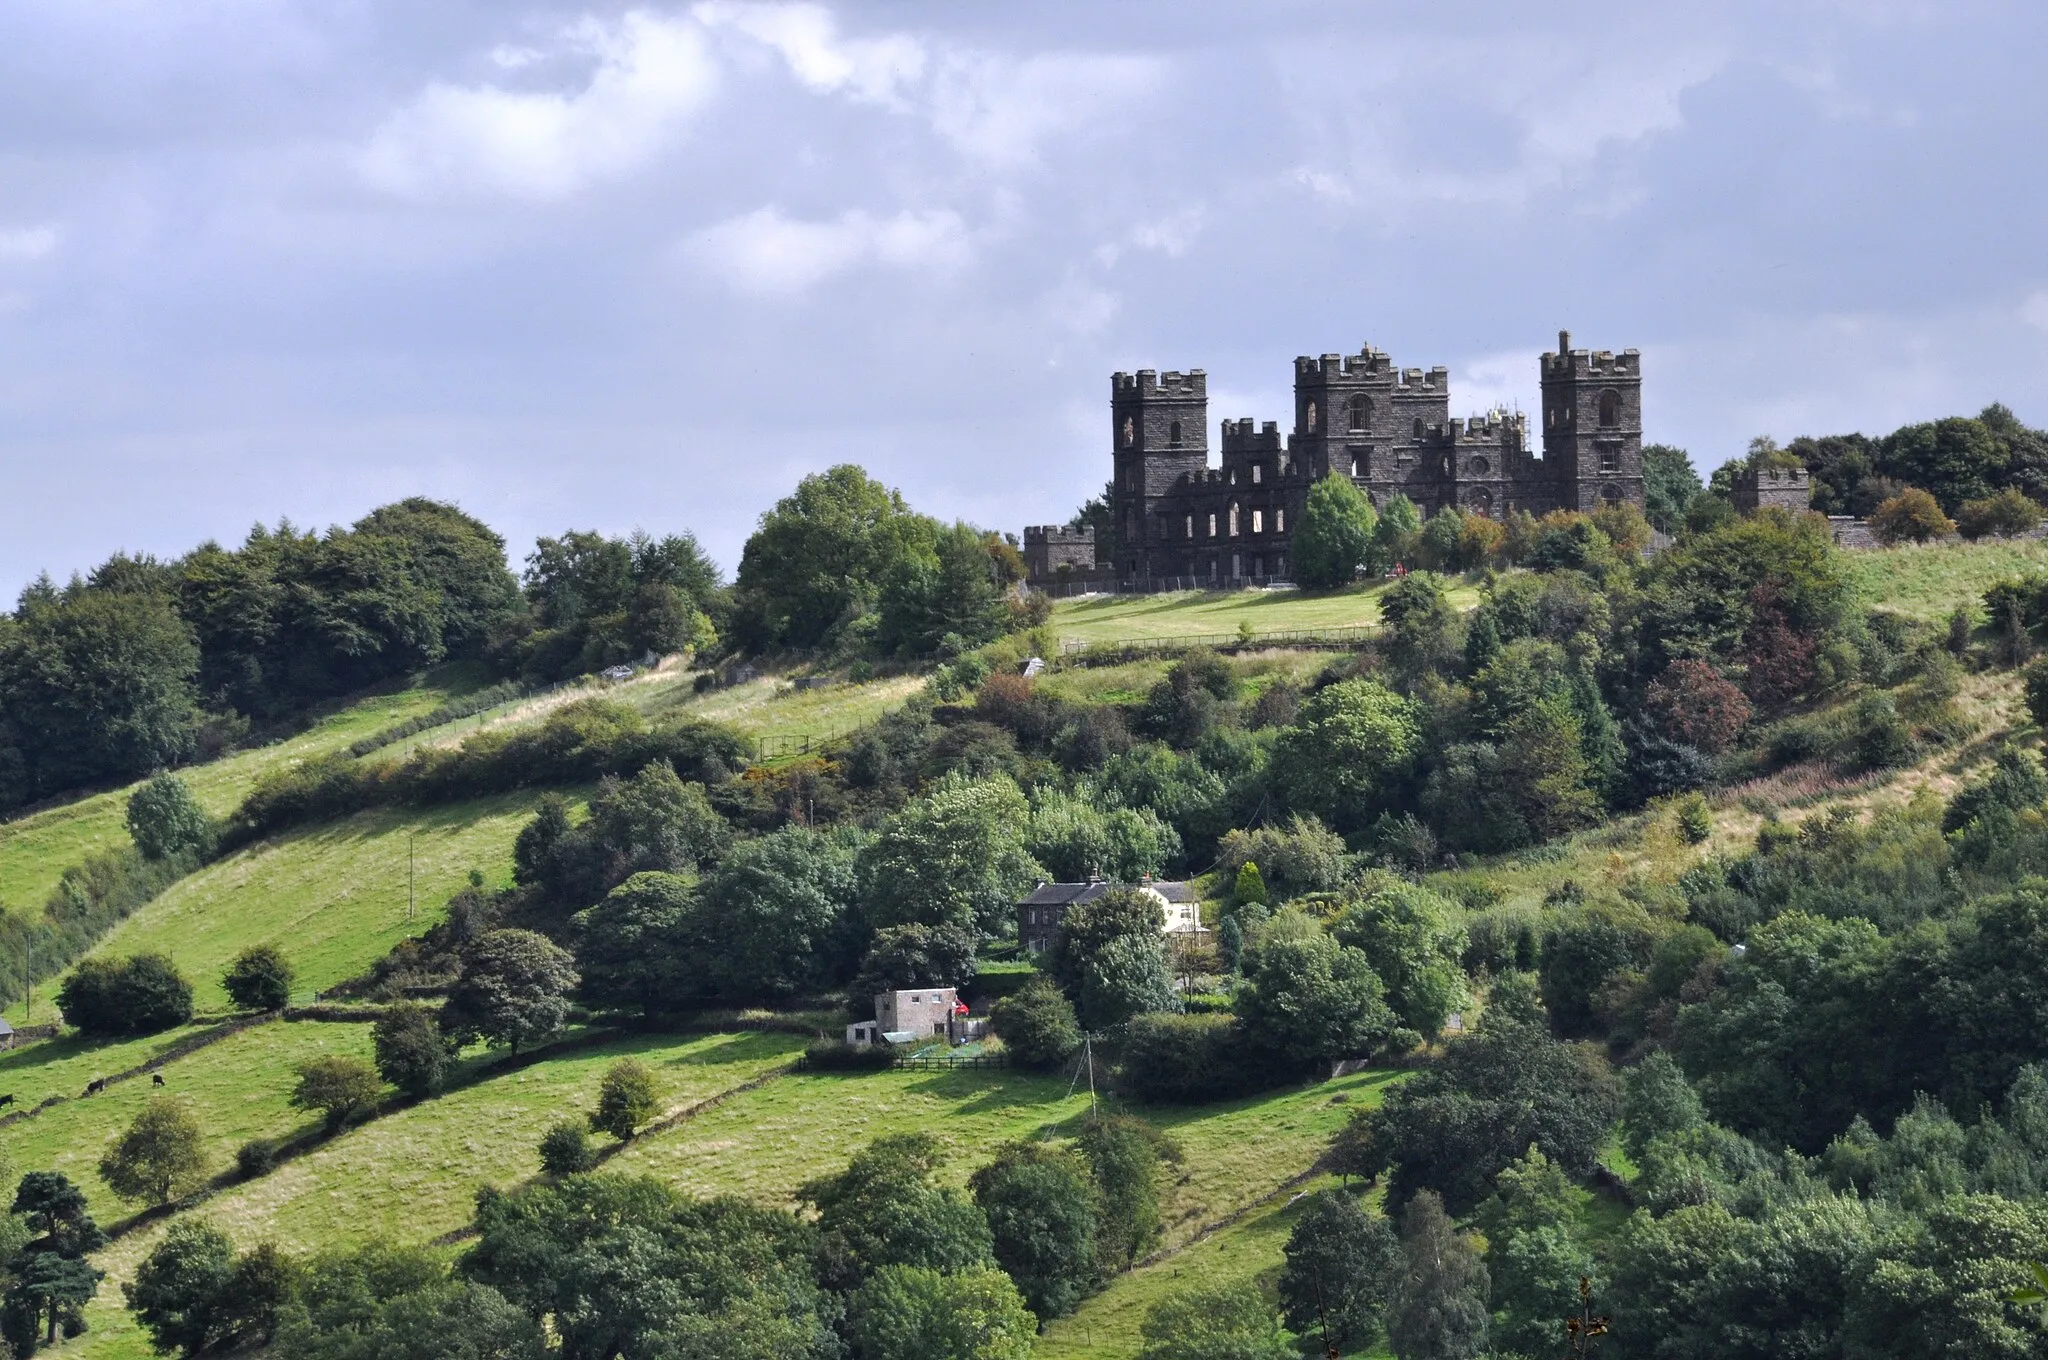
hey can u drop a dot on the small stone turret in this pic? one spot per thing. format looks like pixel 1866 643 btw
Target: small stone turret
pixel 1788 488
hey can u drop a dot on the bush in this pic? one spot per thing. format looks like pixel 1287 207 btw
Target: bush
pixel 1883 741
pixel 256 1158
pixel 259 979
pixel 411 1054
pixel 626 1099
pixel 1695 822
pixel 143 994
pixel 830 1055
pixel 565 1149
pixel 165 820
pixel 337 1085
pixel 1188 1059
pixel 1912 516
pixel 1037 1025
pixel 2005 515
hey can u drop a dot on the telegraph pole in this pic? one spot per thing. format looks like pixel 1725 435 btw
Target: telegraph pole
pixel 412 896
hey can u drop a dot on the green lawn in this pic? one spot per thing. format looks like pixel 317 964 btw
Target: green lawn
pixel 1928 582
pixel 37 849
pixel 62 1067
pixel 333 898
pixel 769 706
pixel 1128 618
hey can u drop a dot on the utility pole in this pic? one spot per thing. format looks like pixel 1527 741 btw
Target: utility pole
pixel 412 896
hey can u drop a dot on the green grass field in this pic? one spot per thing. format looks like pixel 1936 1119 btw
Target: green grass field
pixel 333 898
pixel 1129 618
pixel 1930 582
pixel 35 850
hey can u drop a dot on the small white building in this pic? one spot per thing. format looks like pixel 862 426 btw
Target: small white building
pixel 917 1014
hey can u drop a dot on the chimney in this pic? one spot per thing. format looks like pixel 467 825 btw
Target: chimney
pixel 1564 342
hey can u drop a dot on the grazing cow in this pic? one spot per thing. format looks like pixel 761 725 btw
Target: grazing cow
pixel 95 1086
pixel 156 1079
pixel 7 1099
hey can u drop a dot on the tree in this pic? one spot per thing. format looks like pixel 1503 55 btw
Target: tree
pixel 1040 1206
pixel 379 1302
pixel 1342 758
pixel 1339 1259
pixel 1127 976
pixel 1669 486
pixel 1695 705
pixel 55 1210
pixel 1250 886
pixel 819 557
pixel 1912 516
pixel 260 979
pixel 1037 1025
pixel 1393 538
pixel 656 821
pixel 1312 1000
pixel 947 595
pixel 1438 1306
pixel 162 1151
pixel 915 1313
pixel 885 1209
pixel 513 990
pixel 626 1099
pixel 1413 941
pixel 1123 1157
pixel 534 848
pixel 337 1085
pixel 1656 1099
pixel 1335 536
pixel 565 1149
pixel 142 994
pixel 165 820
pixel 1204 1322
pixel 194 1295
pixel 954 857
pixel 776 917
pixel 410 1052
pixel 1089 926
pixel 1424 633
pixel 1534 1260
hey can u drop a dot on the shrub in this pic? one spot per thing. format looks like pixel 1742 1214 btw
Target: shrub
pixel 259 979
pixel 411 1054
pixel 1037 1025
pixel 2036 675
pixel 1695 822
pixel 2004 515
pixel 165 820
pixel 565 1149
pixel 626 1099
pixel 830 1055
pixel 1189 1058
pixel 1912 516
pixel 337 1085
pixel 143 994
pixel 256 1158
pixel 1883 741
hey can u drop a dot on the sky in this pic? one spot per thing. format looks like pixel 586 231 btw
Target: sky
pixel 595 266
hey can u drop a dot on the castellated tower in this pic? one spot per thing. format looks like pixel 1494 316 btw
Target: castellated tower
pixel 1160 433
pixel 1592 424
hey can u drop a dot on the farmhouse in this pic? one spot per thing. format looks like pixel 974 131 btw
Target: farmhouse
pixel 1040 913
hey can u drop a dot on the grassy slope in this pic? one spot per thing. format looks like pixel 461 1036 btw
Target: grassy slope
pixel 1929 582
pixel 333 898
pixel 38 848
pixel 1120 618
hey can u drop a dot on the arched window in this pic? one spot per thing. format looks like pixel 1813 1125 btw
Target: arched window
pixel 1258 521
pixel 1257 468
pixel 1173 435
pixel 1610 410
pixel 1130 433
pixel 1311 421
pixel 1418 427
pixel 1233 519
pixel 1279 521
pixel 1360 417
pixel 1611 494
pixel 1191 526
pixel 1212 530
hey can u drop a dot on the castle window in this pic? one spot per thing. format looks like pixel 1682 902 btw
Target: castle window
pixel 1258 521
pixel 1212 531
pixel 1191 526
pixel 1233 476
pixel 1610 458
pixel 1130 433
pixel 1233 521
pixel 1360 417
pixel 1173 435
pixel 1279 521
pixel 1478 467
pixel 1311 417
pixel 1418 427
pixel 1610 410
pixel 1257 468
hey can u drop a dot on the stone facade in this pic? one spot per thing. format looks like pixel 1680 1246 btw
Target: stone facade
pixel 1049 547
pixel 1787 488
pixel 1182 522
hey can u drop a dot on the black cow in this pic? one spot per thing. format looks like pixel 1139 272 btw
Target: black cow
pixel 95 1086
pixel 156 1079
pixel 7 1099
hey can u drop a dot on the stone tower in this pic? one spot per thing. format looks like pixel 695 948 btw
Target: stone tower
pixel 1593 425
pixel 1160 433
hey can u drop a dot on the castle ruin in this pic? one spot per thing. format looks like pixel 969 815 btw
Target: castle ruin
pixel 1181 522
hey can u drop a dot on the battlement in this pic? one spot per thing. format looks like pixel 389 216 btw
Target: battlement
pixel 1437 379
pixel 1247 436
pixel 1059 535
pixel 1149 383
pixel 1790 488
pixel 1567 362
pixel 1364 364
pixel 1493 426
